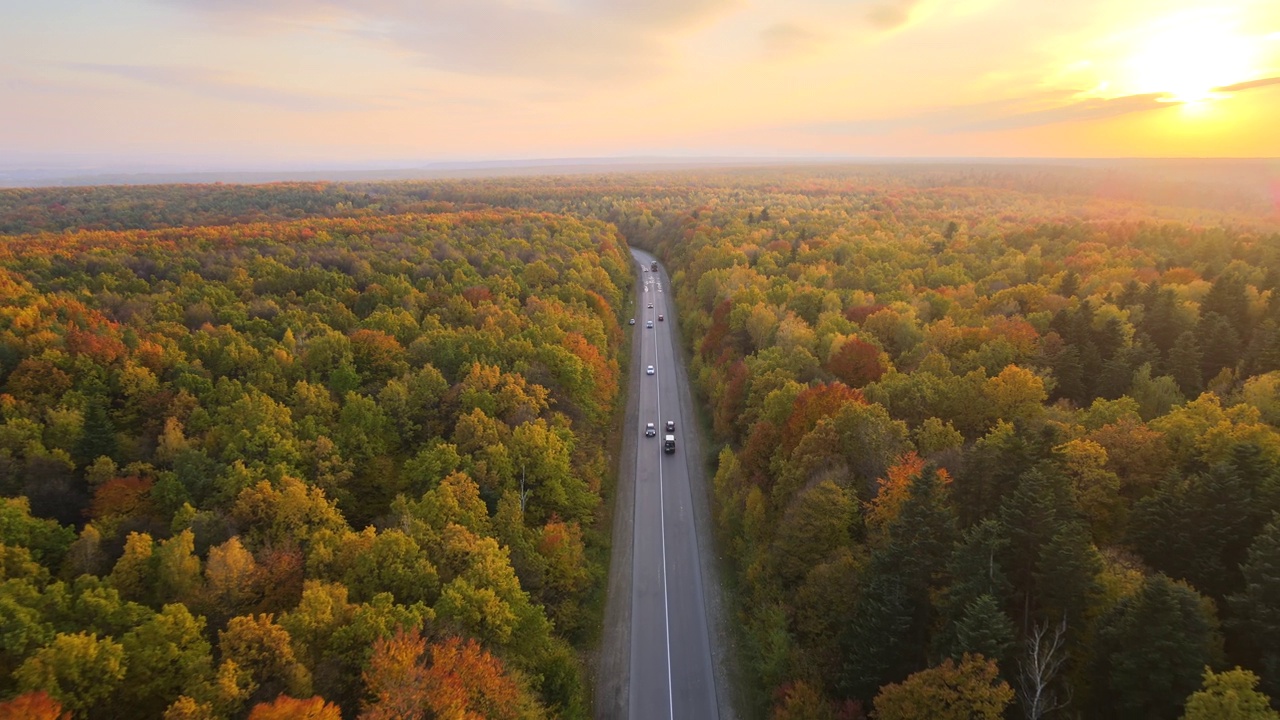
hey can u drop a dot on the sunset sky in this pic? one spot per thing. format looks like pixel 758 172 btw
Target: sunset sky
pixel 257 82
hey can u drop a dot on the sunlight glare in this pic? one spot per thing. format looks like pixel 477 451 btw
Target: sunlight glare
pixel 1186 57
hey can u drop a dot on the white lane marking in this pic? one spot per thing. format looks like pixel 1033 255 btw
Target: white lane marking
pixel 662 524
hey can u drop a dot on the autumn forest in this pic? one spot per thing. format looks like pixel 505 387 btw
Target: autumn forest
pixel 982 441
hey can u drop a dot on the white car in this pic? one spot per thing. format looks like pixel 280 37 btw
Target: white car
pixel 650 430
pixel 649 324
pixel 649 370
pixel 633 321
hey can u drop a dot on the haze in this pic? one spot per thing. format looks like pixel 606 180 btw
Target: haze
pixel 252 83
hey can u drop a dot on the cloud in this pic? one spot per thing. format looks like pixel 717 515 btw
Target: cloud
pixel 1080 111
pixel 1010 114
pixel 559 39
pixel 892 14
pixel 1250 85
pixel 210 83
pixel 786 39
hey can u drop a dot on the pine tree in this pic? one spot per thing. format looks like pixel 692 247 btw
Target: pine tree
pixel 1185 361
pixel 1066 574
pixel 1220 343
pixel 1151 650
pixel 98 437
pixel 894 614
pixel 1256 608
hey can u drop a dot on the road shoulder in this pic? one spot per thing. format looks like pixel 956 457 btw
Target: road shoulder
pixel 613 666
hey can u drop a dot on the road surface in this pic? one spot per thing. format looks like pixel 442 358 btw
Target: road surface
pixel 670 670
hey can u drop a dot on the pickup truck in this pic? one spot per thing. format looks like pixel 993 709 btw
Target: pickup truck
pixel 669 444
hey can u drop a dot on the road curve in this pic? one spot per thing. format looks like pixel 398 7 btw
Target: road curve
pixel 664 652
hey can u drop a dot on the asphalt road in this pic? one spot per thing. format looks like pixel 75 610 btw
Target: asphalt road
pixel 671 668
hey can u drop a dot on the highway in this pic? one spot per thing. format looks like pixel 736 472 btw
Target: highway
pixel 671 668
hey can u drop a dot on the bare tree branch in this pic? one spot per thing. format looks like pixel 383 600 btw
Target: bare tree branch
pixel 1042 660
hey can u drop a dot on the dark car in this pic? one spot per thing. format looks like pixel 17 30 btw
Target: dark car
pixel 650 430
pixel 671 426
pixel 660 318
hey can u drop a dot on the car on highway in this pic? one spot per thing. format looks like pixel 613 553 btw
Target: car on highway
pixel 660 318
pixel 649 324
pixel 649 370
pixel 650 430
pixel 650 306
pixel 633 321
pixel 669 444
pixel 671 426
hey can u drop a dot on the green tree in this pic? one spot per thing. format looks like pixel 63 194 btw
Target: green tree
pixel 815 524
pixel 1066 574
pixel 177 569
pixel 81 671
pixel 893 616
pixel 1256 608
pixel 1151 650
pixel 984 629
pixel 1185 360
pixel 1199 528
pixel 1228 298
pixel 388 561
pixel 1229 695
pixel 46 539
pixel 1220 342
pixel 98 434
pixel 168 656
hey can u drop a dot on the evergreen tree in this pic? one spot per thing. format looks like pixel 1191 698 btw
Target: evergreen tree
pixel 1220 343
pixel 1151 650
pixel 1069 285
pixel 977 580
pixel 893 617
pixel 1161 320
pixel 1198 529
pixel 1066 574
pixel 1256 608
pixel 1068 371
pixel 1031 516
pixel 1228 298
pixel 98 436
pixel 1185 360
pixel 983 629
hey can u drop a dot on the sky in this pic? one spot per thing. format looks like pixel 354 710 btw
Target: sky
pixel 352 83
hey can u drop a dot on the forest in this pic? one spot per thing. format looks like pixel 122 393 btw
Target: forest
pixel 981 461
pixel 339 466
pixel 990 442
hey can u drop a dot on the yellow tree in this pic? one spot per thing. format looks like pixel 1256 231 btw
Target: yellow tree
pixel 971 690
pixel 1229 695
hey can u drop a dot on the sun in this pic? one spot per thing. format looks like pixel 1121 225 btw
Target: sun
pixel 1186 56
